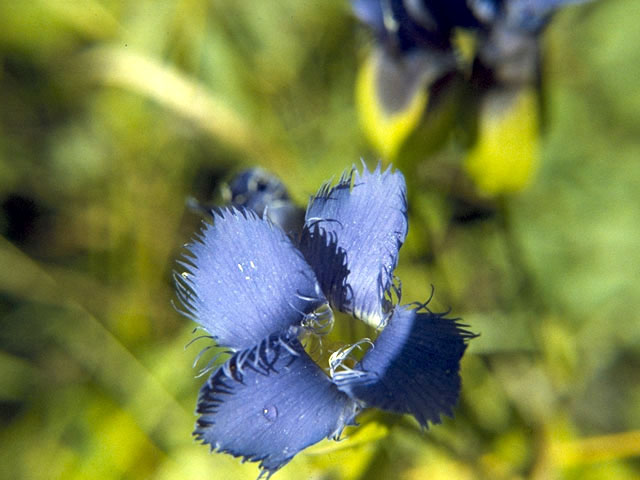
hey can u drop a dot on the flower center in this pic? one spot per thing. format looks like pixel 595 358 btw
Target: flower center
pixel 336 341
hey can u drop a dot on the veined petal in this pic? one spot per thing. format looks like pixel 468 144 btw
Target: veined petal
pixel 352 236
pixel 245 280
pixel 413 366
pixel 269 402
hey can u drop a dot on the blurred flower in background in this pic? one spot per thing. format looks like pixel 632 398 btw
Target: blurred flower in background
pixel 262 192
pixel 489 48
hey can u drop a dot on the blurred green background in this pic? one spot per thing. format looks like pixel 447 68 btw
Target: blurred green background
pixel 113 112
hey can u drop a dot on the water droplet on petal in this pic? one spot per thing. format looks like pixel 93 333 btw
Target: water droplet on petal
pixel 270 412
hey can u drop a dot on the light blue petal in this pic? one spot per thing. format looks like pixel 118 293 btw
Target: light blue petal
pixel 413 366
pixel 370 13
pixel 484 10
pixel 533 15
pixel 245 280
pixel 352 236
pixel 269 402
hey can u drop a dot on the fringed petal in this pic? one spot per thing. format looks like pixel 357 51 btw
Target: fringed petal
pixel 351 238
pixel 269 402
pixel 413 367
pixel 245 280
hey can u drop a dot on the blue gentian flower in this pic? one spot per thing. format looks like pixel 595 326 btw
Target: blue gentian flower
pixel 260 191
pixel 265 194
pixel 423 75
pixel 256 291
pixel 414 24
pixel 410 29
pixel 413 49
pixel 508 43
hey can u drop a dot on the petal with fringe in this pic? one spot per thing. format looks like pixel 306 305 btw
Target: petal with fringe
pixel 413 366
pixel 245 280
pixel 352 236
pixel 267 403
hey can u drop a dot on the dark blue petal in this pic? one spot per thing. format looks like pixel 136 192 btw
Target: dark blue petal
pixel 413 366
pixel 245 280
pixel 404 26
pixel 352 236
pixel 414 26
pixel 269 402
pixel 446 14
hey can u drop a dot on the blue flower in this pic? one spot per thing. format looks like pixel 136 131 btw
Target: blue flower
pixel 265 194
pixel 423 32
pixel 256 292
pixel 469 66
pixel 260 191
